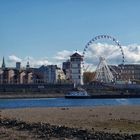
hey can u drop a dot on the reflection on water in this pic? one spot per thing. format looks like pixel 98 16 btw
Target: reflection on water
pixel 62 102
pixel 123 101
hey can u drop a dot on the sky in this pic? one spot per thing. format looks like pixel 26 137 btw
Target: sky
pixel 49 31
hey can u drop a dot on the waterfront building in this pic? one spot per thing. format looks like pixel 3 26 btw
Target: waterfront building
pixel 76 73
pixel 22 78
pixel 40 74
pixel 130 72
pixel 1 76
pixel 61 77
pixel 29 77
pixel 51 74
pixel 16 75
pixel 126 72
pixel 48 74
pixel 66 69
pixel 54 74
pixel 10 76
pixel 72 71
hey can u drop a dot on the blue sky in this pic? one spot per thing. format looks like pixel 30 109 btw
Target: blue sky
pixel 41 29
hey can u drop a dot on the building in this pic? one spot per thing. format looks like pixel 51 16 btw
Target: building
pixel 76 73
pixel 116 71
pixel 66 69
pixel 49 74
pixel 29 77
pixel 61 77
pixel 40 74
pixel 15 75
pixel 126 72
pixel 1 76
pixel 22 77
pixel 45 74
pixel 54 74
pixel 18 65
pixel 130 72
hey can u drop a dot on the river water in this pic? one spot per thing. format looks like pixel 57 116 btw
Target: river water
pixel 62 102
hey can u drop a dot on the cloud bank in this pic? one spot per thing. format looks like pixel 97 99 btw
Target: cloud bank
pixel 111 53
pixel 12 59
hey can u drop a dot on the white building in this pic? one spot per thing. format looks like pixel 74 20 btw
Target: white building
pixel 51 73
pixel 76 69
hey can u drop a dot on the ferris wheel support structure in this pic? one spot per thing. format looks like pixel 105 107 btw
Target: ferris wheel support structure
pixel 103 73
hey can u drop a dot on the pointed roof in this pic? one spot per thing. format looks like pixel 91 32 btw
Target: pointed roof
pixel 3 63
pixel 76 55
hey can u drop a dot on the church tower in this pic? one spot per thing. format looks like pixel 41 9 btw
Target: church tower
pixel 28 65
pixel 3 64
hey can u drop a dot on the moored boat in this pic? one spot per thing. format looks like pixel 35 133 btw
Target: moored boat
pixel 77 94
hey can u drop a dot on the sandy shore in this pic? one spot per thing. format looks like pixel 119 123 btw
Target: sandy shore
pixel 122 119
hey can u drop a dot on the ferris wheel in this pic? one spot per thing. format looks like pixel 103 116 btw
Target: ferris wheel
pixel 104 57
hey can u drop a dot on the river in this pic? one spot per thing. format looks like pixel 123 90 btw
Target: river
pixel 62 102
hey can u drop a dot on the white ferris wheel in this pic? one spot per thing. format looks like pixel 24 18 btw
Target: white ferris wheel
pixel 102 53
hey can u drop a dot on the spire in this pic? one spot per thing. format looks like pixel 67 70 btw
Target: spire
pixel 3 64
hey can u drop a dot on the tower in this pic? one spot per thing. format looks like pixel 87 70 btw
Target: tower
pixel 28 65
pixel 18 65
pixel 76 68
pixel 3 64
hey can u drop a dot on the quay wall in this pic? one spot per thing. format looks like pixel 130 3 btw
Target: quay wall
pixel 58 88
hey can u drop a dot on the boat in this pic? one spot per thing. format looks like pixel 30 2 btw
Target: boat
pixel 77 94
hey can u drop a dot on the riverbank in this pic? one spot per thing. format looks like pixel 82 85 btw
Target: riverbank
pixel 112 119
pixel 15 129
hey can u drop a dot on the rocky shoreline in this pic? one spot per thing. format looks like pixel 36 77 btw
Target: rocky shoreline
pixel 46 131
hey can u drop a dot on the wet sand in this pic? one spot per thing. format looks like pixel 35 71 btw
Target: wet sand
pixel 114 119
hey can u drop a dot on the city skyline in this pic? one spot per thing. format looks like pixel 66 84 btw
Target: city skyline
pixel 47 32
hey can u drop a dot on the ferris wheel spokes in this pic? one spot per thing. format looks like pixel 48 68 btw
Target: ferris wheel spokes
pixel 103 72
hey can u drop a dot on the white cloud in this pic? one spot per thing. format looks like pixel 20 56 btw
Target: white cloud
pixel 132 53
pixel 63 55
pixel 35 62
pixel 112 53
pixel 13 58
